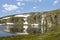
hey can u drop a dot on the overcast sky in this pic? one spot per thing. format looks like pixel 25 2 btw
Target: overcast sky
pixel 9 7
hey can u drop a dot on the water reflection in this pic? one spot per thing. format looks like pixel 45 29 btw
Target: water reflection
pixel 4 34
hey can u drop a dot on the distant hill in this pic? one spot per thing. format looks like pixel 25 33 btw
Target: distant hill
pixel 49 23
pixel 46 19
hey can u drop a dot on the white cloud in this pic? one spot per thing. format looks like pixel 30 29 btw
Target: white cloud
pixel 9 7
pixel 55 2
pixel 19 0
pixel 40 0
pixel 34 7
pixel 19 3
pixel 34 0
pixel 24 0
pixel 30 0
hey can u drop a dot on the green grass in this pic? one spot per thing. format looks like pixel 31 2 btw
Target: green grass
pixel 22 37
pixel 52 36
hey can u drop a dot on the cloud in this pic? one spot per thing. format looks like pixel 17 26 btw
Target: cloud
pixel 34 7
pixel 24 0
pixel 40 0
pixel 30 0
pixel 20 0
pixel 34 0
pixel 55 2
pixel 20 3
pixel 10 7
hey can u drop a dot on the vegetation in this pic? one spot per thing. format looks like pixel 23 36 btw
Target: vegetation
pixel 50 33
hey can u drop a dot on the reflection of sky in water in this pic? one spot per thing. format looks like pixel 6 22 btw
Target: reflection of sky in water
pixel 3 34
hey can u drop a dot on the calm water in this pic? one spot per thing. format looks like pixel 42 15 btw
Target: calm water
pixel 4 34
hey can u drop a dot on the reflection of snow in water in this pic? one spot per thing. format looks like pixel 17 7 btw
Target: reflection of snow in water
pixel 42 23
pixel 25 25
pixel 35 25
pixel 6 26
pixel 25 29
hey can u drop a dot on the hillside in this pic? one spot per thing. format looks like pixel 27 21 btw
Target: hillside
pixel 45 20
pixel 49 21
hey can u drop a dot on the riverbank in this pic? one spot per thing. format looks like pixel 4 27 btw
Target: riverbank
pixel 47 36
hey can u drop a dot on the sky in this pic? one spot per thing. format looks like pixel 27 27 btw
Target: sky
pixel 10 7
